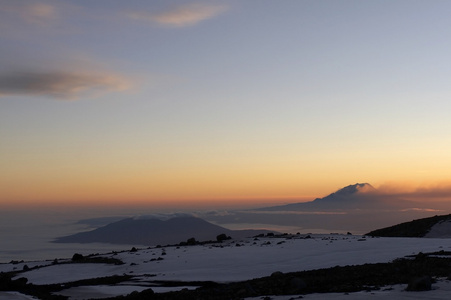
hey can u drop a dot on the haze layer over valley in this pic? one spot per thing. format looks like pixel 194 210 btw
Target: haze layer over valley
pixel 356 208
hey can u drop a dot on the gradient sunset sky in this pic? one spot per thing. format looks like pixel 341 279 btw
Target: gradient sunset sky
pixel 169 102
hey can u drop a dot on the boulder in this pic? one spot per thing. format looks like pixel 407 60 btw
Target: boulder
pixel 423 283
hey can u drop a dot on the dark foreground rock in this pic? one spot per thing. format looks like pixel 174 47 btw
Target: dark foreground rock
pixel 420 284
pixel 416 273
pixel 415 228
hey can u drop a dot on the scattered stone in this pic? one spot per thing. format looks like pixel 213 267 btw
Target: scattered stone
pixel 420 256
pixel 222 237
pixel 276 274
pixel 297 285
pixel 191 241
pixel 77 257
pixel 420 284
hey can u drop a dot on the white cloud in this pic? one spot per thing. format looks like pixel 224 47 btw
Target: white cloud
pixel 181 16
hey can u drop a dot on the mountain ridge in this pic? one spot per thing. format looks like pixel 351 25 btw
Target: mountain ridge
pixel 356 208
pixel 351 190
pixel 415 228
pixel 354 196
pixel 152 231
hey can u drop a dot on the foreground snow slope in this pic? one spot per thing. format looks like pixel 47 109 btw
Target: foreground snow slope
pixel 15 296
pixel 236 261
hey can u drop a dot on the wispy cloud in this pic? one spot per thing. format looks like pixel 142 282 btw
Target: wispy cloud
pixel 60 84
pixel 22 16
pixel 39 13
pixel 422 209
pixel 297 212
pixel 181 16
pixel 164 216
pixel 34 19
pixel 442 190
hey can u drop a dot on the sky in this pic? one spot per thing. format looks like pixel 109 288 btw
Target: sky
pixel 176 103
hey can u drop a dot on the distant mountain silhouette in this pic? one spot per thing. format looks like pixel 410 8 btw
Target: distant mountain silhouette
pixel 350 190
pixel 155 232
pixel 355 196
pixel 356 208
pixel 417 228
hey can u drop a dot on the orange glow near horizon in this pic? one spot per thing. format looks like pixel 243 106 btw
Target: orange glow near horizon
pixel 190 194
pixel 265 177
pixel 201 173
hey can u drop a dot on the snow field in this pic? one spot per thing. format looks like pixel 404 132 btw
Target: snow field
pixel 235 261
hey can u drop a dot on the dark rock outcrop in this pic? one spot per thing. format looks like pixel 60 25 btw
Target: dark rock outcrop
pixel 423 283
pixel 415 228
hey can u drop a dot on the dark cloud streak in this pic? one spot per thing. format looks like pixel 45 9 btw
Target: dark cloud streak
pixel 59 84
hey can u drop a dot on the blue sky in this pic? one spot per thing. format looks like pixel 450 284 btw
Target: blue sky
pixel 212 100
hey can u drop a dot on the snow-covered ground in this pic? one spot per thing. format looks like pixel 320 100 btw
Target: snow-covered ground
pixel 237 261
pixel 440 230
pixel 15 296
